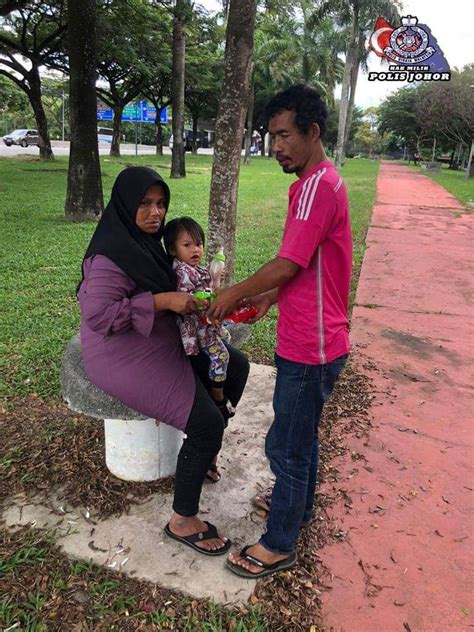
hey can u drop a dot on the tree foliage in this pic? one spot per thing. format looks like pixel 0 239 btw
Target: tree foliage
pixel 419 114
pixel 31 38
pixel 359 17
pixel 446 109
pixel 204 70
pixel 130 36
pixel 398 114
pixel 7 6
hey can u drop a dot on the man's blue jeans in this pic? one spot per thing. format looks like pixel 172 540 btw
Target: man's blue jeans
pixel 292 446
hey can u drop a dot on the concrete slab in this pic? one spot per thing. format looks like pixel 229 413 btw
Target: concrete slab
pixel 407 558
pixel 135 543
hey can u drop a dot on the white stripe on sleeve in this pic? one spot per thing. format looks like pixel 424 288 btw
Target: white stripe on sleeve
pixel 303 195
pixel 313 193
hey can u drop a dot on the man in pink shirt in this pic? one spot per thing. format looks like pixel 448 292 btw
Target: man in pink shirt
pixel 309 280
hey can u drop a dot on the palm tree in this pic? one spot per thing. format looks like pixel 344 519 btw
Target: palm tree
pixel 360 16
pixel 303 48
pixel 294 48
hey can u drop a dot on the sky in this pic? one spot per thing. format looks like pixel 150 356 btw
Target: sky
pixel 451 23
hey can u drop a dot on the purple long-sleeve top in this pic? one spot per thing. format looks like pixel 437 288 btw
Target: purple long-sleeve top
pixel 130 351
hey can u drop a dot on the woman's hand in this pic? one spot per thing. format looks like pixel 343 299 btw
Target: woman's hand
pixel 178 302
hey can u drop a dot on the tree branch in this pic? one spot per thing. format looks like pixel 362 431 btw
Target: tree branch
pixel 20 83
pixel 14 65
pixel 57 34
pixel 6 41
pixel 11 5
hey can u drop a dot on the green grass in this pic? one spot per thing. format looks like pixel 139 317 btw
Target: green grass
pixel 43 585
pixel 453 181
pixel 42 253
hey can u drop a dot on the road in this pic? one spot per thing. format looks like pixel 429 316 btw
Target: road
pixel 61 148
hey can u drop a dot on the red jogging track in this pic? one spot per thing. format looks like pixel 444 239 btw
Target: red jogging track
pixel 407 561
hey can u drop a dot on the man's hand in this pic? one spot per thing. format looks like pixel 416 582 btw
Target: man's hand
pixel 269 277
pixel 225 303
pixel 262 302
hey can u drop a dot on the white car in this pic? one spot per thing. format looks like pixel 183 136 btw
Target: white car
pixel 23 137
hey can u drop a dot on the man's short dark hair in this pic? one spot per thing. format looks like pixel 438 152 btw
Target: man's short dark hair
pixel 305 102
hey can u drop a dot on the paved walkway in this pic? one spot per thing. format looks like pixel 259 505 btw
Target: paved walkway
pixel 407 561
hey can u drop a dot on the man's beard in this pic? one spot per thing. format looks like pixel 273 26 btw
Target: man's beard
pixel 286 169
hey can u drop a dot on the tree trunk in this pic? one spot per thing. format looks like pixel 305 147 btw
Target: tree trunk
pixel 343 107
pixel 34 94
pixel 353 86
pixel 195 134
pixel 262 132
pixel 249 130
pixel 178 168
pixel 159 133
pixel 470 163
pixel 451 160
pixel 229 130
pixel 305 61
pixel 84 185
pixel 115 146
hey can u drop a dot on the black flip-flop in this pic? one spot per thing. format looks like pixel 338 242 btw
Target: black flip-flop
pixel 202 536
pixel 267 569
pixel 213 468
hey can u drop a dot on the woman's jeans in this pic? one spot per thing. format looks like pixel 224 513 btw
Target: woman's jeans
pixel 292 446
pixel 205 429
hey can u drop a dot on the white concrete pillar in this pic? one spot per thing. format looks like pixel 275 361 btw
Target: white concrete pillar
pixel 139 450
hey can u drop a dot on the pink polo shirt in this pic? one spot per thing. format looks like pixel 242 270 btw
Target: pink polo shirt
pixel 313 327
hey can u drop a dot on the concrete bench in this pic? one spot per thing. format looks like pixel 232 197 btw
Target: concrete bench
pixel 433 167
pixel 136 448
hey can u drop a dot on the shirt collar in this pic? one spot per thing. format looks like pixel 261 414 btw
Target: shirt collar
pixel 296 185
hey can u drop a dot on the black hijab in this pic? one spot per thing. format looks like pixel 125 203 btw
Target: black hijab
pixel 140 255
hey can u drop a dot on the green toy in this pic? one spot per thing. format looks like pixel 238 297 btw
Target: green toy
pixel 204 295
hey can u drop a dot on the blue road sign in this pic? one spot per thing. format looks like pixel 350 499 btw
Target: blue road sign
pixel 141 112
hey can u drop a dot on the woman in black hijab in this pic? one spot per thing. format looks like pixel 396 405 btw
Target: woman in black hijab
pixel 139 254
pixel 132 348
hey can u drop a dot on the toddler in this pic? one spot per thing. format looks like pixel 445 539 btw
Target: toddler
pixel 184 241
